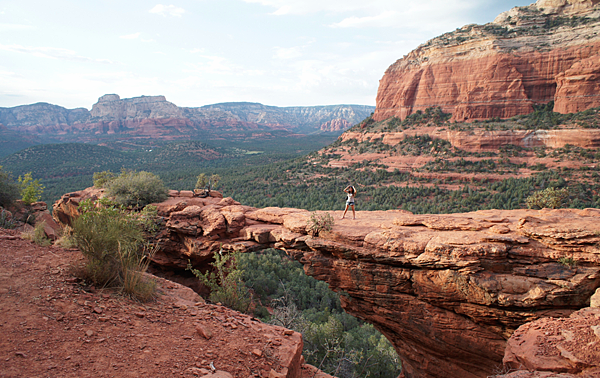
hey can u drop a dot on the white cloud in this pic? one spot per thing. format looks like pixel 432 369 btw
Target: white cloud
pixel 196 50
pixel 214 65
pixel 52 53
pixel 312 6
pixel 218 65
pixel 131 36
pixel 287 53
pixel 382 13
pixel 15 27
pixel 384 19
pixel 167 10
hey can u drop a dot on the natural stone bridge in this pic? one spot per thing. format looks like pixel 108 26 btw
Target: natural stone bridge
pixel 446 290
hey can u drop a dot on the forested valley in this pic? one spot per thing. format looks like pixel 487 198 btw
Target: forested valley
pixel 305 172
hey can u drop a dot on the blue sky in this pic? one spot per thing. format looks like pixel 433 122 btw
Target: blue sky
pixel 200 52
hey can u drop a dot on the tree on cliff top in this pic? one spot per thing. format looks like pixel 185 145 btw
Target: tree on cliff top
pixel 550 198
pixel 131 188
pixel 31 190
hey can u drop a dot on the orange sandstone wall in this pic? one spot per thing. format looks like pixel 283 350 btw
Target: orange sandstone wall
pixel 495 85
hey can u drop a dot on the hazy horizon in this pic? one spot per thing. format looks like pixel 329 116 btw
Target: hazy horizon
pixel 202 52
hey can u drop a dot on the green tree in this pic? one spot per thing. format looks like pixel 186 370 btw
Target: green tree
pixel 31 190
pixel 550 198
pixel 213 182
pixel 9 190
pixel 225 281
pixel 201 181
pixel 207 183
pixel 337 342
pixel 103 178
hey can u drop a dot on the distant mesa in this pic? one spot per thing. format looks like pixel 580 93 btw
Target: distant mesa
pixel 531 55
pixel 155 117
pixel 109 98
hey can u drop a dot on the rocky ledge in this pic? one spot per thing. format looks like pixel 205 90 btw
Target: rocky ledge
pixel 447 290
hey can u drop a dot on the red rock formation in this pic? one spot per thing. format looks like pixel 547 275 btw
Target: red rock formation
pixel 479 140
pixel 503 68
pixel 336 125
pixel 578 87
pixel 567 345
pixel 37 212
pixel 446 290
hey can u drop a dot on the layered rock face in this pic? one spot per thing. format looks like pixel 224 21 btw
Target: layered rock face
pixel 335 125
pixel 531 55
pixel 484 140
pixel 111 106
pixel 446 290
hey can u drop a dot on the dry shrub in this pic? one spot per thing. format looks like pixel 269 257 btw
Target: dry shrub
pixel 37 235
pixel 117 255
pixel 319 222
pixel 66 239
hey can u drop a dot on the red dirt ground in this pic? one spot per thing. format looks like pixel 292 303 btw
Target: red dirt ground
pixel 53 326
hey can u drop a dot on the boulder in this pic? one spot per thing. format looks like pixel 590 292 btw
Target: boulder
pixel 567 345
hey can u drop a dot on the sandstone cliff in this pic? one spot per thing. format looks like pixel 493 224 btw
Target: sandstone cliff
pixel 547 51
pixel 446 290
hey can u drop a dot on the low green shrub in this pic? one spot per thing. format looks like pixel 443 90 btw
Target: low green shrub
pixel 6 220
pixel 550 198
pixel 225 282
pixel 113 243
pixel 319 222
pixel 568 261
pixel 136 189
pixel 103 178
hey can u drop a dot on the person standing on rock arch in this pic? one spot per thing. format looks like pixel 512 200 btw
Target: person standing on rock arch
pixel 351 192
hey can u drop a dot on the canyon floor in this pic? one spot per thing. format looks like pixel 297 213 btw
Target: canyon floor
pixel 53 325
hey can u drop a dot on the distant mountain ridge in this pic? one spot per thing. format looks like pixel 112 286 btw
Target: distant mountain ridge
pixel 307 118
pixel 154 116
